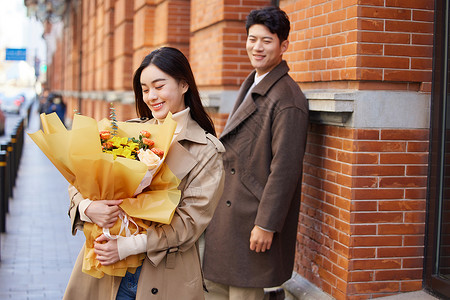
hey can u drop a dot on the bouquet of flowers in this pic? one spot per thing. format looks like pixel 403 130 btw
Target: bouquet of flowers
pixel 101 164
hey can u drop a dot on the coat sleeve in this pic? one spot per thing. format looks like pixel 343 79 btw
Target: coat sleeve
pixel 75 199
pixel 289 130
pixel 199 198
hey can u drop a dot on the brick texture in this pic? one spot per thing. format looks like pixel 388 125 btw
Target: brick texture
pixel 361 41
pixel 359 214
pixel 217 50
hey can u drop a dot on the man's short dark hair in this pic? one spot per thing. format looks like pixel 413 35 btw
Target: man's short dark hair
pixel 273 18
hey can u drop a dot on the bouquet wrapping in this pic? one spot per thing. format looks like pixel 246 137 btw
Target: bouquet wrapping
pixel 147 195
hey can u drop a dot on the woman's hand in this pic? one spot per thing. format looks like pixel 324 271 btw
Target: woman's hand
pixel 260 240
pixel 104 213
pixel 107 253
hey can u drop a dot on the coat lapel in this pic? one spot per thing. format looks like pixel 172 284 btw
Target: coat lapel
pixel 243 107
pixel 179 159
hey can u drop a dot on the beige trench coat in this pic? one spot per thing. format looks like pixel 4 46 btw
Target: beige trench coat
pixel 171 269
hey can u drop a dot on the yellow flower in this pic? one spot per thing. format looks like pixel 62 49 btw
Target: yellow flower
pixel 123 152
pixel 119 141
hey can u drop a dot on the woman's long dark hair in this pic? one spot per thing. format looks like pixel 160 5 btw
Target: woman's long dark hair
pixel 173 62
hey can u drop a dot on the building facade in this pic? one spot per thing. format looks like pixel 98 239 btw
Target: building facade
pixel 366 67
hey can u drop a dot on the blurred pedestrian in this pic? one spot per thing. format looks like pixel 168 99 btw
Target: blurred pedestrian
pixel 55 104
pixel 43 100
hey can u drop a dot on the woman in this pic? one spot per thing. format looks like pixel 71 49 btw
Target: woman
pixel 171 270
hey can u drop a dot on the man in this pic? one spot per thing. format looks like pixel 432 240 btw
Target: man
pixel 250 242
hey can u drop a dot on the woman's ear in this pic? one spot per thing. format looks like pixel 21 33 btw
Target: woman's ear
pixel 184 86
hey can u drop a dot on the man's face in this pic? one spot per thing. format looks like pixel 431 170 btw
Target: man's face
pixel 264 48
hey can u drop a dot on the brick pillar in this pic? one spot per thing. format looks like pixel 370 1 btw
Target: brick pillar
pixel 108 46
pixel 123 44
pixel 363 210
pixel 362 216
pixel 144 28
pixel 99 58
pixel 388 212
pixel 337 42
pixel 84 45
pixel 90 40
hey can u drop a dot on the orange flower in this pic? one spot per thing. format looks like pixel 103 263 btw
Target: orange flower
pixel 158 152
pixel 148 142
pixel 145 133
pixel 107 145
pixel 105 134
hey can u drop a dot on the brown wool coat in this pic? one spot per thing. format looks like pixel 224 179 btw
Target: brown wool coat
pixel 196 158
pixel 264 139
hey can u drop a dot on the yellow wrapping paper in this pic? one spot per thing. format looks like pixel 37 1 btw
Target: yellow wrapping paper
pixel 78 156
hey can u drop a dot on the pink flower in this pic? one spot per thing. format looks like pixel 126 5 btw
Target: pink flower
pixel 149 158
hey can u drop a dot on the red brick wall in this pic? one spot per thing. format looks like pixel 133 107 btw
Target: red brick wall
pixel 335 43
pixel 217 49
pixel 144 27
pixel 108 48
pixel 123 44
pixel 362 217
pixel 219 121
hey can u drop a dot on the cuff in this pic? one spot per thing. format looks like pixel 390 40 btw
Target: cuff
pixel 268 230
pixel 131 245
pixel 82 208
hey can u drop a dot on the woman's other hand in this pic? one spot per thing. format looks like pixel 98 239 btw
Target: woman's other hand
pixel 104 213
pixel 107 253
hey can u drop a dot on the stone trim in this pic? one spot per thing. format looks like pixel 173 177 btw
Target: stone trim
pixel 349 108
pixel 370 109
pixel 299 288
pixel 124 97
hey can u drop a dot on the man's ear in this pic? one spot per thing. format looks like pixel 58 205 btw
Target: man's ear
pixel 284 46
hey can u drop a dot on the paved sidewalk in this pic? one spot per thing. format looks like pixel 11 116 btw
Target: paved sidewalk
pixel 418 295
pixel 38 250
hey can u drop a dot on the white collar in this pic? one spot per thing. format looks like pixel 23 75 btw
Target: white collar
pixel 259 78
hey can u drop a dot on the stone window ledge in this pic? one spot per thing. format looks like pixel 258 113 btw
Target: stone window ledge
pixel 330 101
pixel 330 107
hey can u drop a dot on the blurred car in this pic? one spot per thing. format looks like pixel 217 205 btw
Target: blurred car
pixel 11 103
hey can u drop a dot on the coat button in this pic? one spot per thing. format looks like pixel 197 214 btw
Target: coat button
pixel 233 171
pixel 228 203
pixel 154 291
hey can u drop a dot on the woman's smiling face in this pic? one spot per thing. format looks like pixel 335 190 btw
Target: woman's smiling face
pixel 161 92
